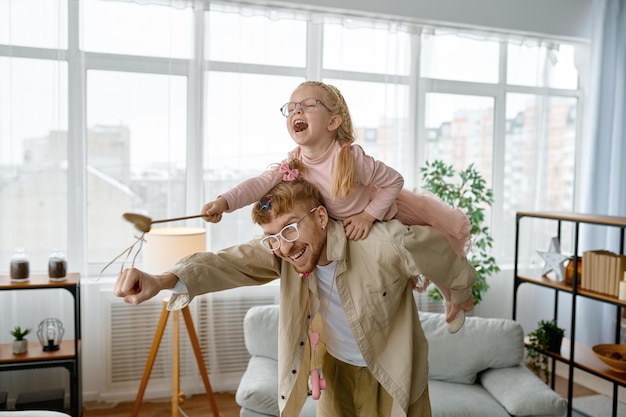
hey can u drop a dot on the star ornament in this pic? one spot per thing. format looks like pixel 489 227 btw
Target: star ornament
pixel 554 260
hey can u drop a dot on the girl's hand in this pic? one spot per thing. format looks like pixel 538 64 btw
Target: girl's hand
pixel 358 227
pixel 419 283
pixel 213 210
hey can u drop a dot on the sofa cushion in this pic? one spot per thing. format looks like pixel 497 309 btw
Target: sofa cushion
pixel 482 343
pixel 506 384
pixel 449 399
pixel 258 389
pixel 260 328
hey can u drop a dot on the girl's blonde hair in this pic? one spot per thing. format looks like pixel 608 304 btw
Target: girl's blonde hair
pixel 343 180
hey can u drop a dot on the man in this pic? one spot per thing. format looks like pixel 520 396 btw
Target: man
pixel 374 355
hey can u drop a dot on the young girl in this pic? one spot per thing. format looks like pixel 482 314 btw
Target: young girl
pixel 357 189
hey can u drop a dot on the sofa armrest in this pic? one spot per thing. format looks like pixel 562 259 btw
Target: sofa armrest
pixel 522 393
pixel 260 331
pixel 258 388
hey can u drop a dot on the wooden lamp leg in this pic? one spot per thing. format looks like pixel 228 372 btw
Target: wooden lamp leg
pixel 175 366
pixel 177 395
pixel 158 335
pixel 193 337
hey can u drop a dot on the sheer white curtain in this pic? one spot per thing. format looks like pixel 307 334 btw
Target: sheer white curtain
pixel 33 167
pixel 604 167
pixel 603 183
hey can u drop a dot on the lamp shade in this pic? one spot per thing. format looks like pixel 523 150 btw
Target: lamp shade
pixel 165 246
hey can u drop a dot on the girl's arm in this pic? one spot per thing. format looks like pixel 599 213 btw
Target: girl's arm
pixel 246 192
pixel 384 182
pixel 381 184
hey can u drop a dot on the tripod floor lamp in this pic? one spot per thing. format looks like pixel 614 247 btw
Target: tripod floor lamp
pixel 162 249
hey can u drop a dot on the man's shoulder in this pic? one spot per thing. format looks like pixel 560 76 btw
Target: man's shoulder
pixel 388 230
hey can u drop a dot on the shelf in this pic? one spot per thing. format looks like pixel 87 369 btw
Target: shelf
pixel 36 353
pixel 587 361
pixel 526 276
pixel 36 281
pixel 576 217
pixel 575 355
pixel 68 354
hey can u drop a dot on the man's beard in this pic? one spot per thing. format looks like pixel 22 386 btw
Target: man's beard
pixel 313 254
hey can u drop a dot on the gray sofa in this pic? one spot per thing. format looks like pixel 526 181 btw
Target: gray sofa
pixel 476 372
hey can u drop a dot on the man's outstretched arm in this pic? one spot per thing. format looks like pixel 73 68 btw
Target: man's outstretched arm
pixel 137 286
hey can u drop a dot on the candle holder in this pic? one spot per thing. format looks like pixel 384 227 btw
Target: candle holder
pixel 50 333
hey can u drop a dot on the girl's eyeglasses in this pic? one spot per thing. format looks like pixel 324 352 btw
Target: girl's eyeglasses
pixel 307 106
pixel 288 233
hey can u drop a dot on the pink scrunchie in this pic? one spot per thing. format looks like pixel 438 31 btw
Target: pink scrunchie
pixel 288 173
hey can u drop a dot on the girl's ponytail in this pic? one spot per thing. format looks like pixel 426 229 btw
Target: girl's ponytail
pixel 344 179
pixel 343 175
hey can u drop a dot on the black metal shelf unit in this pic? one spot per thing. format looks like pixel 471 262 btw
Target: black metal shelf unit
pixel 68 356
pixel 574 354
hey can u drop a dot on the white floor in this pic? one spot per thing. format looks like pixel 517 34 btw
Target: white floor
pixel 597 406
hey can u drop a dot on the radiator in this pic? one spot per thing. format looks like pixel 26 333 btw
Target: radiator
pixel 218 320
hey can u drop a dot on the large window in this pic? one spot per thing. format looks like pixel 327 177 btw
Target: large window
pixel 33 158
pixel 161 114
pixel 136 153
pixel 510 108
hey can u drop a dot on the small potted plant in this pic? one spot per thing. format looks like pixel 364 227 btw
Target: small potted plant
pixel 548 337
pixel 20 344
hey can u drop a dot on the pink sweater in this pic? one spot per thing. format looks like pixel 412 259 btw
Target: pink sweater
pixel 378 185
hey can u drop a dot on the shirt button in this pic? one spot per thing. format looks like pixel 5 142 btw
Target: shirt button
pixel 282 397
pixel 293 371
pixel 301 343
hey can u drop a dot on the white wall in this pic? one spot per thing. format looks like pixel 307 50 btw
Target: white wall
pixel 498 300
pixel 561 18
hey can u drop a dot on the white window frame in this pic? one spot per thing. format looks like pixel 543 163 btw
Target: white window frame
pixel 80 62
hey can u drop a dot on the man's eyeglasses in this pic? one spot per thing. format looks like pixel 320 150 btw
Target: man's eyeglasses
pixel 307 106
pixel 288 233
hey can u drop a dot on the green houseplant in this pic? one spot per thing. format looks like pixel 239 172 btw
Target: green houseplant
pixel 546 338
pixel 20 344
pixel 466 190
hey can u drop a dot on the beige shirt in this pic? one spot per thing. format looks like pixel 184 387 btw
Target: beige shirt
pixel 373 282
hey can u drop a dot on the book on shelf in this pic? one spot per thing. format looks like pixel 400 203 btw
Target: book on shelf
pixel 613 283
pixel 616 272
pixel 584 277
pixel 601 271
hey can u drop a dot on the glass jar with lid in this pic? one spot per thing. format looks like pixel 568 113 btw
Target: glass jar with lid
pixel 20 265
pixel 57 265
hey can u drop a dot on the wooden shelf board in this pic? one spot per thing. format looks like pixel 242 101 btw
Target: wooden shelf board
pixel 576 217
pixel 36 353
pixel 586 360
pixel 38 281
pixel 528 276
